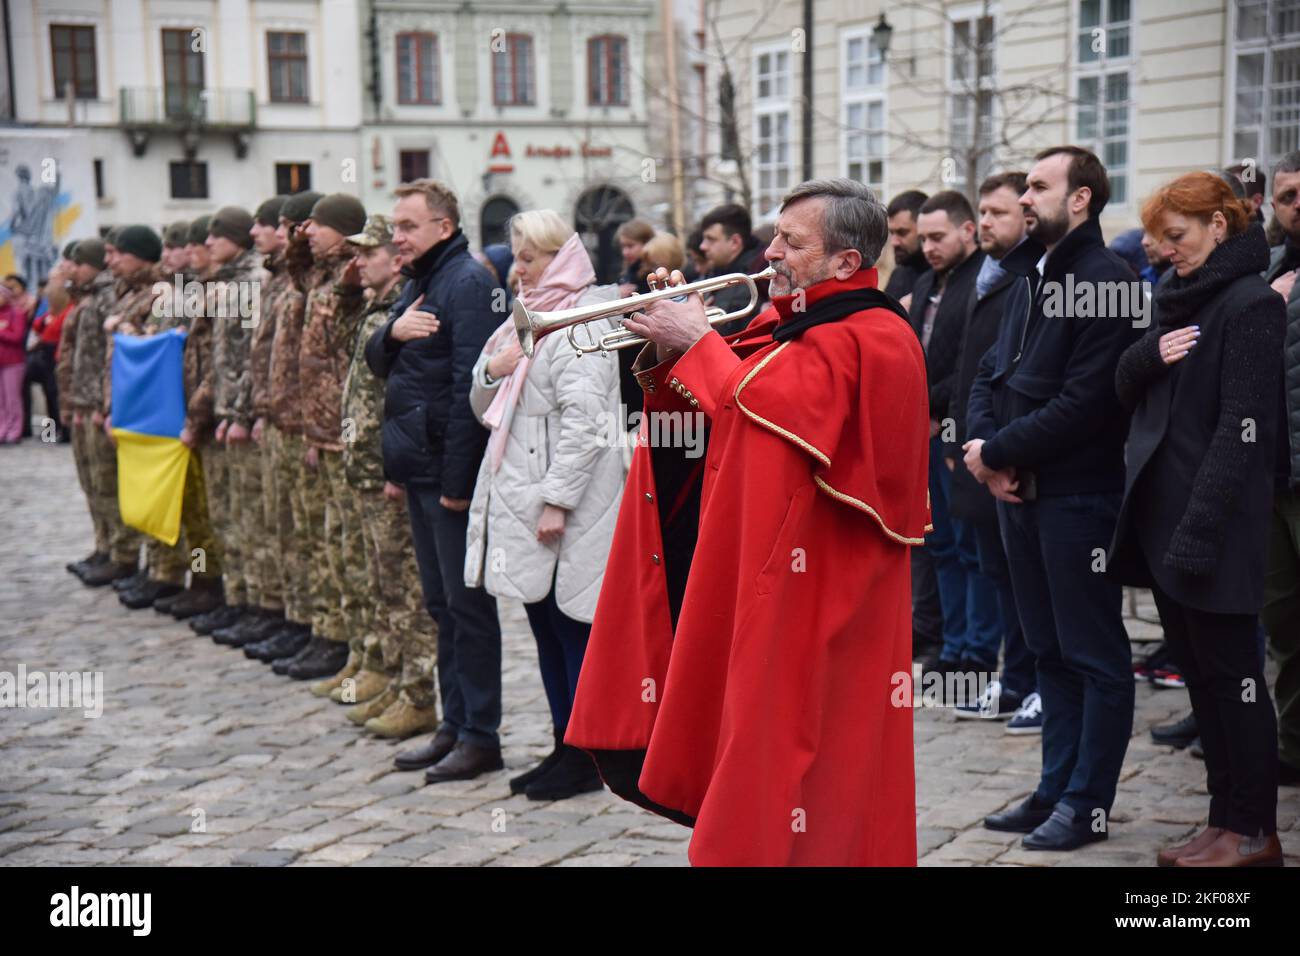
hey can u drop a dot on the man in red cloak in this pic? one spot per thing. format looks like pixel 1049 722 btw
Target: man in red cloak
pixel 740 675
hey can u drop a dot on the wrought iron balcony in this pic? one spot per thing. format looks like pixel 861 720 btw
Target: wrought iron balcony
pixel 151 109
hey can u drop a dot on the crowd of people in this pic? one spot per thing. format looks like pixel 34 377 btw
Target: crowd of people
pixel 376 461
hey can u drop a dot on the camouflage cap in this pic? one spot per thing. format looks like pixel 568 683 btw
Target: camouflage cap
pixel 378 232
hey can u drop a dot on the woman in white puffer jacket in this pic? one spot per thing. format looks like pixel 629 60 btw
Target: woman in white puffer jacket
pixel 549 488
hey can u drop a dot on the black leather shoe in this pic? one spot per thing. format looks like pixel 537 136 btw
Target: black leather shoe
pixel 286 642
pixel 439 745
pixel 1178 734
pixel 129 583
pixel 1064 830
pixel 572 774
pixel 147 593
pixel 223 616
pixel 520 783
pixel 281 665
pixel 327 660
pixel 110 572
pixel 465 762
pixel 196 601
pixel 1025 818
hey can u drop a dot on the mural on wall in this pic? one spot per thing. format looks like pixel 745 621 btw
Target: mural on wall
pixel 47 196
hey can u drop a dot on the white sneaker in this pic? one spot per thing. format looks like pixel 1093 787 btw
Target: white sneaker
pixel 1029 718
pixel 988 707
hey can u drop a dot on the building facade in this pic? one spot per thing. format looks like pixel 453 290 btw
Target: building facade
pixel 191 104
pixel 951 91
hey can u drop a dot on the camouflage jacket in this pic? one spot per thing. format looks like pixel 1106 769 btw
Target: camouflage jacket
pixel 134 312
pixel 172 310
pixel 284 402
pixel 333 313
pixel 234 307
pixel 87 393
pixel 68 348
pixel 363 402
pixel 275 296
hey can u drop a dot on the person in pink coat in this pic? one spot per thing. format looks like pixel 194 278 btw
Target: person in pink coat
pixel 13 329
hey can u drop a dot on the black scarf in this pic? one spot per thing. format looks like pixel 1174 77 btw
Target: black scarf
pixel 835 307
pixel 1180 299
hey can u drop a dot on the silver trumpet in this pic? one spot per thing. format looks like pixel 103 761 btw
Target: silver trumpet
pixel 533 326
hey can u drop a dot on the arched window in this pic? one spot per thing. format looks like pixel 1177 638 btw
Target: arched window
pixel 598 214
pixel 495 214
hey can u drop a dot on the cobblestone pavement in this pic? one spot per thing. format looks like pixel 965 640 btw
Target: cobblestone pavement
pixel 192 732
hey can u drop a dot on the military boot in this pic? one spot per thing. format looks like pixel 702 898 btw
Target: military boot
pixel 367 686
pixel 110 572
pixel 79 568
pixel 326 688
pixel 140 578
pixel 202 597
pixel 147 593
pixel 403 719
pixel 218 617
pixel 373 707
pixel 257 625
pixel 327 659
pixel 287 641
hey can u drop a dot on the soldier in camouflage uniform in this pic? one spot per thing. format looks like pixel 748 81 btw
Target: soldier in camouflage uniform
pixel 87 398
pixel 333 310
pixel 398 654
pixel 234 303
pixel 139 250
pixel 87 262
pixel 198 543
pixel 279 407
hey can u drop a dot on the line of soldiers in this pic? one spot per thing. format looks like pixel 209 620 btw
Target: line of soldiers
pixel 293 546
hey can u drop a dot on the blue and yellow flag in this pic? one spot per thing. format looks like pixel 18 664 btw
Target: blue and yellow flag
pixel 148 414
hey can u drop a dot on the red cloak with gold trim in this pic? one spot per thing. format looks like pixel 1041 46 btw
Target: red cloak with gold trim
pixel 766 718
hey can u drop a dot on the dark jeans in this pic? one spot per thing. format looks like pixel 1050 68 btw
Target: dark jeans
pixel 561 645
pixel 40 371
pixel 1019 670
pixel 927 615
pixel 1218 654
pixel 949 571
pixel 1073 624
pixel 1281 617
pixel 469 632
pixel 984 628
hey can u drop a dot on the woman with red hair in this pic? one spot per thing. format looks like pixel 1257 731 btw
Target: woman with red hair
pixel 1205 388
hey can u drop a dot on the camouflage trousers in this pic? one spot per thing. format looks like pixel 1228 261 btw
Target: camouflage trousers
pixel 349 565
pixel 259 546
pixel 217 479
pixel 286 519
pixel 202 549
pixel 324 549
pixel 404 641
pixel 81 458
pixel 123 542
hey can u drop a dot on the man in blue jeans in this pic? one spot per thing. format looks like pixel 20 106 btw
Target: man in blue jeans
pixel 433 445
pixel 945 225
pixel 1047 437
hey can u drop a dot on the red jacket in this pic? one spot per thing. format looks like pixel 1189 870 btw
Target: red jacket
pixel 767 718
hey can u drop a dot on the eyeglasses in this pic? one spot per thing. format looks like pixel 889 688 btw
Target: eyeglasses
pixel 403 225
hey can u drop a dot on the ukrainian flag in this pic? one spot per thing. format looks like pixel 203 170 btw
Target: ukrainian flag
pixel 148 414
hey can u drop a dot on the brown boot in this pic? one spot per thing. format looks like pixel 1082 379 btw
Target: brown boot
pixel 373 707
pixel 1233 849
pixel 365 685
pixel 403 720
pixel 350 669
pixel 1169 855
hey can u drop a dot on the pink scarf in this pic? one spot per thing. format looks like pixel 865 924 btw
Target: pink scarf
pixel 559 287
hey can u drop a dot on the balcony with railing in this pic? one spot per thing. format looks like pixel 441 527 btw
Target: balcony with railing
pixel 146 110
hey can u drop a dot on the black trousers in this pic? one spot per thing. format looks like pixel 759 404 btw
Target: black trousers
pixel 561 646
pixel 469 631
pixel 1219 655
pixel 40 371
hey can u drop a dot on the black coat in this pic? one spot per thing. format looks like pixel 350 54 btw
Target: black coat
pixel 949 324
pixel 1044 397
pixel 431 437
pixel 1283 259
pixel 968 500
pixel 1199 492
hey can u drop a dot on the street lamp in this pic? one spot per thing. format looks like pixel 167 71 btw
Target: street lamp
pixel 882 32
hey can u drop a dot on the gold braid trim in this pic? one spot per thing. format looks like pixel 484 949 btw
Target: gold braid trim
pixel 819 455
pixel 772 426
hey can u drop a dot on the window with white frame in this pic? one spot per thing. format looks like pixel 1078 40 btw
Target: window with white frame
pixel 1103 88
pixel 864 110
pixel 771 127
pixel 972 44
pixel 1266 80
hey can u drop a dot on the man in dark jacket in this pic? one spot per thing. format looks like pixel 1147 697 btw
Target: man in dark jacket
pixel 1281 612
pixel 1047 437
pixel 946 227
pixel 432 446
pixel 729 246
pixel 905 244
pixel 973 509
